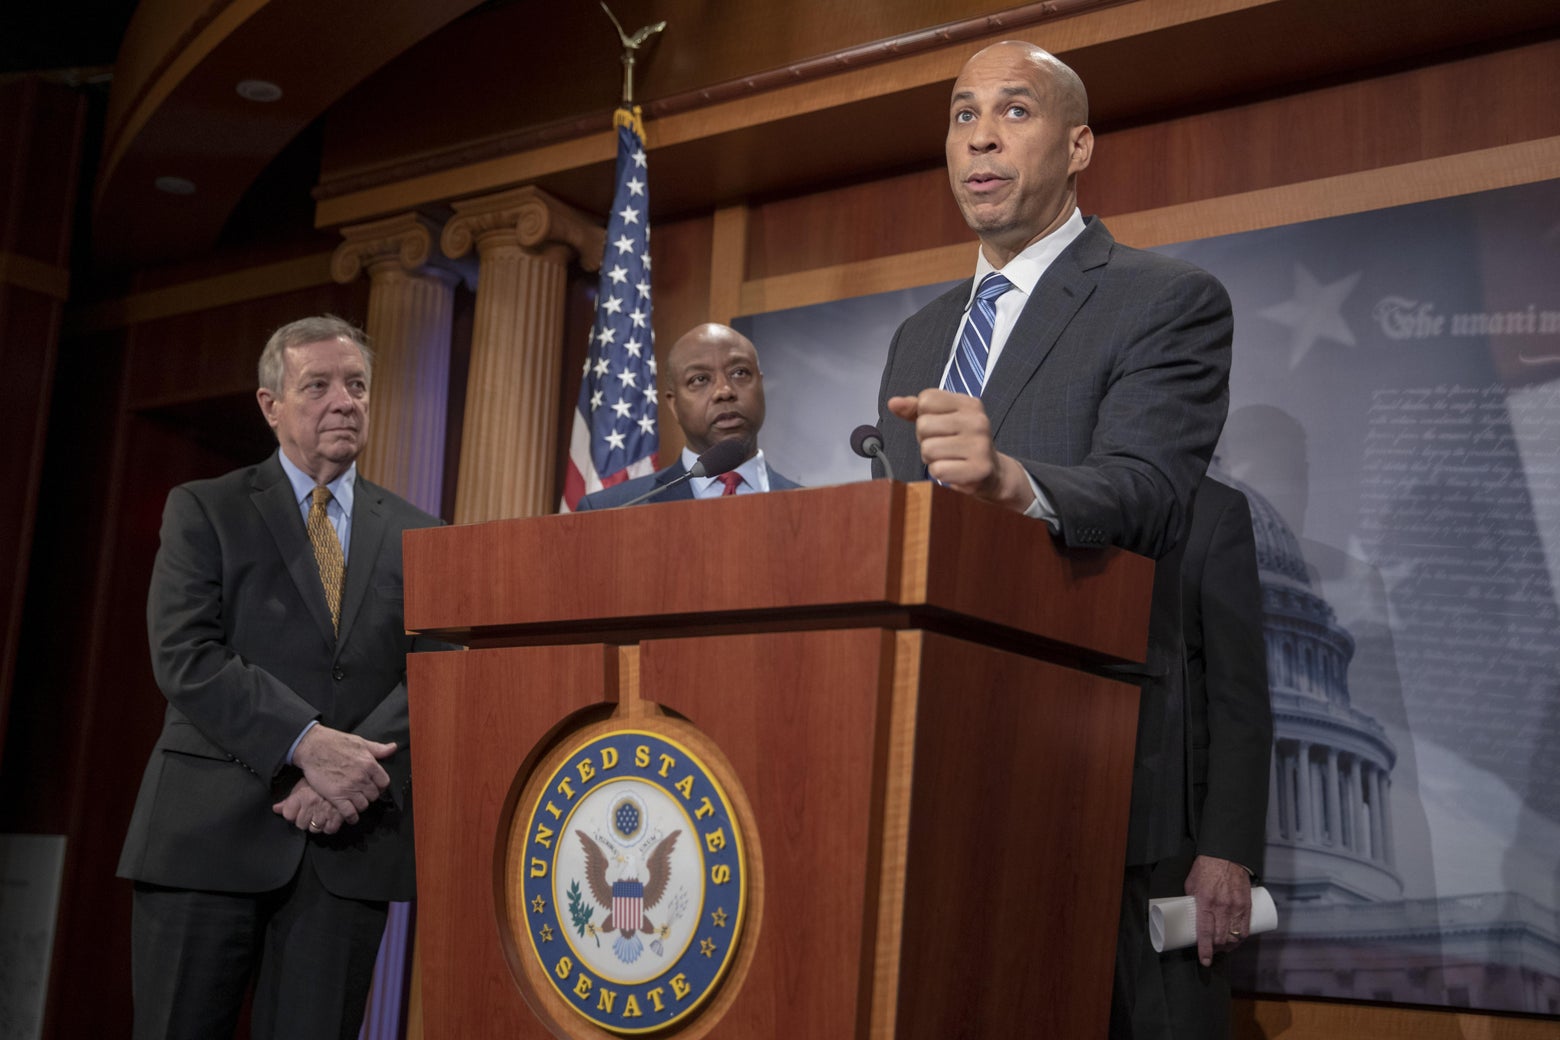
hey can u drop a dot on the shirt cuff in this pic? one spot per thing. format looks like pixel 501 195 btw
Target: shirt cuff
pixel 303 733
pixel 1041 508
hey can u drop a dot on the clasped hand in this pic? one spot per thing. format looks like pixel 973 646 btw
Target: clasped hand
pixel 341 778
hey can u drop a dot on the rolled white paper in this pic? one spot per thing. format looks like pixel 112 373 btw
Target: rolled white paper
pixel 1172 922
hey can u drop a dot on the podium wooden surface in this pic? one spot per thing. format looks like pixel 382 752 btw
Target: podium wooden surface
pixel 933 778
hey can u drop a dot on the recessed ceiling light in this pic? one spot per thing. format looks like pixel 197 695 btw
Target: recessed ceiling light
pixel 258 90
pixel 175 185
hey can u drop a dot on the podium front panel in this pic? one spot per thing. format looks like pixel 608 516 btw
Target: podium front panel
pixel 931 827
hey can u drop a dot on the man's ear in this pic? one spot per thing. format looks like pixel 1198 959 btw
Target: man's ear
pixel 268 403
pixel 1080 148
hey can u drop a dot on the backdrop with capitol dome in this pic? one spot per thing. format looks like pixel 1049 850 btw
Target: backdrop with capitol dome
pixel 1394 416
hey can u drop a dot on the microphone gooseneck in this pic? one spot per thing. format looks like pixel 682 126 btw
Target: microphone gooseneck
pixel 721 457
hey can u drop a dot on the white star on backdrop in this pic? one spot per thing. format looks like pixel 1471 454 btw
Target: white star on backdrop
pixel 1314 312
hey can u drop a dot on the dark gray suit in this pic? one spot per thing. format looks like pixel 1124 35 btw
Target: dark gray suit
pixel 622 494
pixel 1230 734
pixel 243 649
pixel 1229 708
pixel 1111 392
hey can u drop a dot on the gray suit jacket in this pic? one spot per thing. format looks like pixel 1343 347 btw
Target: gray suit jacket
pixel 243 650
pixel 1111 391
pixel 622 494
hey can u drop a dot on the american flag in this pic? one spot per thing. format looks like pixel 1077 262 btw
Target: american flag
pixel 615 435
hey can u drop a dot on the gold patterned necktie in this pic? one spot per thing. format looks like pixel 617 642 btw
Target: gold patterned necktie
pixel 327 553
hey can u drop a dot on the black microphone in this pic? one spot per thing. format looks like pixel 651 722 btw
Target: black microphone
pixel 867 441
pixel 722 457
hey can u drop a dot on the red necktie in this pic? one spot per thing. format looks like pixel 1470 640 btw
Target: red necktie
pixel 731 479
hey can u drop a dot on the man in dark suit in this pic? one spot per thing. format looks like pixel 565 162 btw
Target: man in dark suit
pixel 1230 729
pixel 274 821
pixel 1075 380
pixel 715 392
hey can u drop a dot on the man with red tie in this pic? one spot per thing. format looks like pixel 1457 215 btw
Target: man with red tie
pixel 715 391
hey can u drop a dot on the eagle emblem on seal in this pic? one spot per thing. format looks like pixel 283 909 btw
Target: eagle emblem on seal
pixel 627 898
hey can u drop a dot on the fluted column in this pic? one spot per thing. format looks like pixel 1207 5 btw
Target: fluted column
pixel 410 308
pixel 1306 831
pixel 1357 806
pixel 1388 856
pixel 1288 802
pixel 523 239
pixel 1377 814
pixel 1334 830
pixel 1275 820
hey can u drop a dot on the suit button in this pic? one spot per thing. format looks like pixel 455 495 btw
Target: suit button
pixel 338 673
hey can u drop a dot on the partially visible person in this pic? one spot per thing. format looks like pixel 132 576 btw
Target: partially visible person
pixel 1230 726
pixel 274 822
pixel 715 391
pixel 1077 381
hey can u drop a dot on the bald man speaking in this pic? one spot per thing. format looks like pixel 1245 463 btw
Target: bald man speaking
pixel 1084 384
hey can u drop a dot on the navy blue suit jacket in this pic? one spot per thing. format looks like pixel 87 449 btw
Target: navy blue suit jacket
pixel 622 494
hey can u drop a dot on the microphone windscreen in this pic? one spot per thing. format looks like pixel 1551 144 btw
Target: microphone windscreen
pixel 865 437
pixel 722 457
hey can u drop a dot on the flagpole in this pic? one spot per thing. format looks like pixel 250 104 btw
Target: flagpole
pixel 615 436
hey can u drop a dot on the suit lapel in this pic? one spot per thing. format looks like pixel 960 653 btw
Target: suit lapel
pixel 368 534
pixel 669 474
pixel 779 481
pixel 926 359
pixel 1061 292
pixel 272 496
pixel 923 356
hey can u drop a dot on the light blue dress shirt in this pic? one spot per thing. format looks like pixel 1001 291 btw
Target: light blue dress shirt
pixel 338 511
pixel 755 477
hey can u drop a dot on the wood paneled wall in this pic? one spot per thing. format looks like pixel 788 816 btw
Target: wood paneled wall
pixel 40 147
pixel 1438 112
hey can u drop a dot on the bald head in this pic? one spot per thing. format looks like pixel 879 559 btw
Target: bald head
pixel 1018 137
pixel 711 333
pixel 715 389
pixel 1066 96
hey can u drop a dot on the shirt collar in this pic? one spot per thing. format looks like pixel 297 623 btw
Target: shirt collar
pixel 341 489
pixel 753 470
pixel 1025 269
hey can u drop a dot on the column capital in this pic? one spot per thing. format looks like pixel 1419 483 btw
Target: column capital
pixel 408 242
pixel 528 217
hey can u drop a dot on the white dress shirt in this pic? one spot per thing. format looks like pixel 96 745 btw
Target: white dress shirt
pixel 1024 271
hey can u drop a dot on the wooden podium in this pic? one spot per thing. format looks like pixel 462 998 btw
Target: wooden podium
pixel 899 687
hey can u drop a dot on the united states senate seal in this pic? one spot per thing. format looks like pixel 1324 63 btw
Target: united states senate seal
pixel 634 881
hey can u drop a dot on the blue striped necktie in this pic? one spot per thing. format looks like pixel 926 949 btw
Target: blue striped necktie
pixel 967 374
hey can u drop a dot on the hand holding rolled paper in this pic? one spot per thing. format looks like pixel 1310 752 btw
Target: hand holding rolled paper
pixel 1172 922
